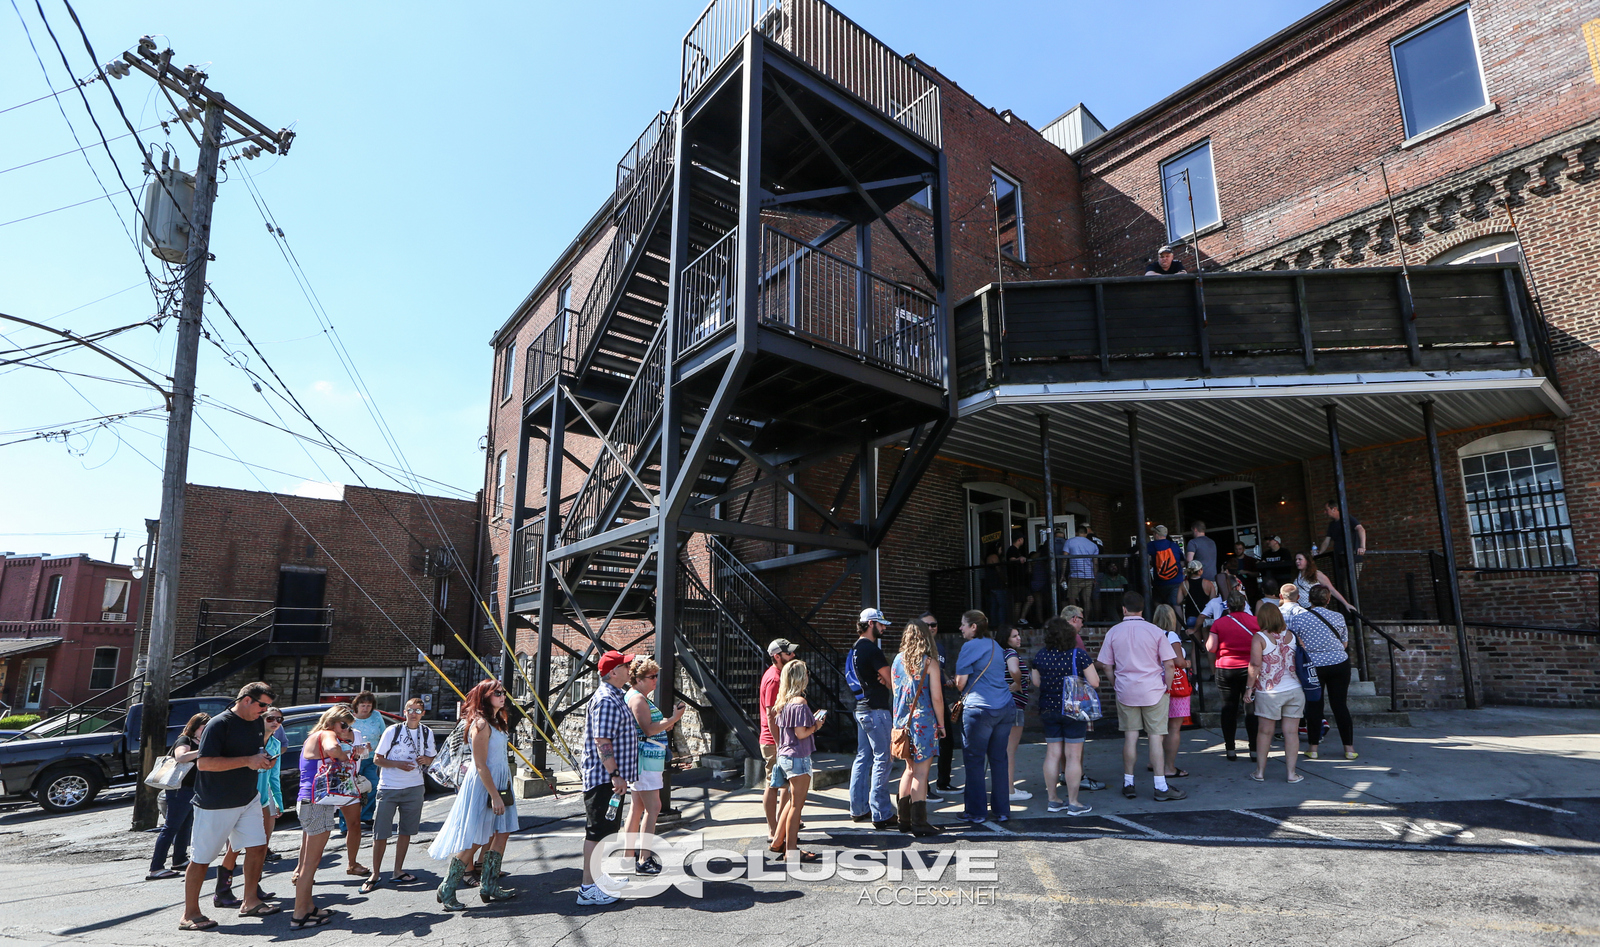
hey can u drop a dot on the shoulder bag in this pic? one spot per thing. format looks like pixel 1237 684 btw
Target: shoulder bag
pixel 1181 685
pixel 900 745
pixel 335 783
pixel 956 709
pixel 168 773
pixel 450 767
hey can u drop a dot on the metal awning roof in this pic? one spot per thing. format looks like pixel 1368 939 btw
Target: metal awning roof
pixel 11 647
pixel 1191 429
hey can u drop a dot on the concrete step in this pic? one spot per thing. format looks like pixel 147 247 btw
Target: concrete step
pixel 1363 689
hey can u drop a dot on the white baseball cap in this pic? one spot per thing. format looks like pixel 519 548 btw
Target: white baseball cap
pixel 872 614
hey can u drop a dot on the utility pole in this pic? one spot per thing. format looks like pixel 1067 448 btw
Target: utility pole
pixel 190 84
pixel 115 538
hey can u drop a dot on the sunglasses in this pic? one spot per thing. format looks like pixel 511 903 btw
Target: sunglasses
pixel 342 725
pixel 497 693
pixel 648 677
pixel 262 703
pixel 413 710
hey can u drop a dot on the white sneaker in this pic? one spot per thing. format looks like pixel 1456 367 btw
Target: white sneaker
pixel 591 894
pixel 1020 795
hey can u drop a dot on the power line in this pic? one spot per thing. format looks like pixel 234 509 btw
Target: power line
pixel 72 152
pixel 103 197
pixel 128 189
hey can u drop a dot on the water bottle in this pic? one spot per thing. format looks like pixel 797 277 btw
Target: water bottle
pixel 614 808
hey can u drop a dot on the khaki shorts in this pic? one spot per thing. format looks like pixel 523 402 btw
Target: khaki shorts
pixel 1289 703
pixel 1152 719
pixel 769 755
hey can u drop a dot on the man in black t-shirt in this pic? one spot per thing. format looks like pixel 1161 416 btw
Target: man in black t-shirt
pixel 1016 575
pixel 1165 264
pixel 1275 567
pixel 1333 540
pixel 869 774
pixel 227 803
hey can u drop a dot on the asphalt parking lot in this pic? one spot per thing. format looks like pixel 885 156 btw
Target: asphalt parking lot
pixel 1488 834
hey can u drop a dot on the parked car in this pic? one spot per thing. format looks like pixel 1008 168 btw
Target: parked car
pixel 64 773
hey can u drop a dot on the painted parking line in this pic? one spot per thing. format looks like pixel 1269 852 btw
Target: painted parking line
pixel 1144 829
pixel 1284 823
pixel 1540 805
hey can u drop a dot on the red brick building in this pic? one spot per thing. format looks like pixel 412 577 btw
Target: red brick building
pixel 332 596
pixel 1477 113
pixel 66 630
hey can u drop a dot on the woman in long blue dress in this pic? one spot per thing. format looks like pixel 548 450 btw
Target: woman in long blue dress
pixel 485 813
pixel 918 707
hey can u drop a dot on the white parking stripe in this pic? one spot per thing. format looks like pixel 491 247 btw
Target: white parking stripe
pixel 1287 825
pixel 1540 805
pixel 1147 830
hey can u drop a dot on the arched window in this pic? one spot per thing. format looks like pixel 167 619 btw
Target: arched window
pixel 1495 248
pixel 1516 502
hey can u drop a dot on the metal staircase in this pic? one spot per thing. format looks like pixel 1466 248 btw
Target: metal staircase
pixel 721 353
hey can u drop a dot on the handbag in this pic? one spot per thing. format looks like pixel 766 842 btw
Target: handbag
pixel 168 773
pixel 900 745
pixel 334 784
pixel 1079 701
pixel 964 691
pixel 450 767
pixel 1310 682
pixel 508 798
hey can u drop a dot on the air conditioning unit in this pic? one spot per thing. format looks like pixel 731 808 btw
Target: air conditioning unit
pixel 113 616
pixel 168 204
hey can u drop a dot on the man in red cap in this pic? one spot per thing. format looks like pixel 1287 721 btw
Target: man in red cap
pixel 610 762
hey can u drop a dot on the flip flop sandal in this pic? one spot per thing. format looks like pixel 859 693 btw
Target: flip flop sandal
pixel 1178 775
pixel 261 910
pixel 196 924
pixel 370 885
pixel 1258 777
pixel 310 920
pixel 360 871
pixel 1297 778
pixel 407 878
pixel 810 857
pixel 161 875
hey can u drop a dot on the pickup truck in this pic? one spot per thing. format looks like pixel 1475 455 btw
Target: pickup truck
pixel 65 773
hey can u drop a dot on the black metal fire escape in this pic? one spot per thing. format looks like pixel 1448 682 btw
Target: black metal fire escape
pixel 719 353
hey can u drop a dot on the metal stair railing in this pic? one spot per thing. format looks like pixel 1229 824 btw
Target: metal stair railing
pixel 628 436
pixel 773 618
pixel 727 662
pixel 642 177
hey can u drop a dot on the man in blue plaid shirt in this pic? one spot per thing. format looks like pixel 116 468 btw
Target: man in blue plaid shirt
pixel 610 762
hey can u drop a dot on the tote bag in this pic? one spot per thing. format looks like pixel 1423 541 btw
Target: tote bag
pixel 168 773
pixel 335 783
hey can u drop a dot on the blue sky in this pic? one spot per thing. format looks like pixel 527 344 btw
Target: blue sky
pixel 445 156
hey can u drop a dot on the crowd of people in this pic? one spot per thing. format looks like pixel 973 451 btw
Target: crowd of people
pixel 1283 659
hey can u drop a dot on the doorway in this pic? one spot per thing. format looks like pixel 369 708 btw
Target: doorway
pixel 33 693
pixel 1227 509
pixel 300 593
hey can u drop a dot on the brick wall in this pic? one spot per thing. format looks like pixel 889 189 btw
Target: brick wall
pixel 371 545
pixel 1523 667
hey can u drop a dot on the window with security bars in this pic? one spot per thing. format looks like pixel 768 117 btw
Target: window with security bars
pixel 1517 508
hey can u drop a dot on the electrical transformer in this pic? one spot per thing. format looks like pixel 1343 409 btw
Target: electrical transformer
pixel 168 202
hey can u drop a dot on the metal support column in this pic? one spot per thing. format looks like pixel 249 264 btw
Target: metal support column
pixel 1140 536
pixel 1346 534
pixel 1448 546
pixel 519 513
pixel 867 487
pixel 1049 514
pixel 863 284
pixel 550 592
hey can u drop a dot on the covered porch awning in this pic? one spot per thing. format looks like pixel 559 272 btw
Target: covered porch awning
pixel 11 647
pixel 1191 429
pixel 1237 370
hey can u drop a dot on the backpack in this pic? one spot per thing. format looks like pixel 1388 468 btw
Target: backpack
pixel 852 679
pixel 1166 565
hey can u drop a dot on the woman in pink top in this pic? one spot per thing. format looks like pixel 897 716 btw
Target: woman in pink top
pixel 1229 640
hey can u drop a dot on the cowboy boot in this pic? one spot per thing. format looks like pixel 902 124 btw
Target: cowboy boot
pixel 223 898
pixel 919 815
pixel 447 888
pixel 902 806
pixel 489 889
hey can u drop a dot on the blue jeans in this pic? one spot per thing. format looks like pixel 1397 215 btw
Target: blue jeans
pixel 369 802
pixel 869 774
pixel 175 831
pixel 984 736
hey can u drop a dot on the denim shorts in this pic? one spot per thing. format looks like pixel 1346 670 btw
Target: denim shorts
pixel 787 768
pixel 1059 728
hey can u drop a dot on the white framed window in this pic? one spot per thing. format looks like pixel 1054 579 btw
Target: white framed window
pixel 1008 210
pixel 1228 508
pixel 1438 72
pixel 52 597
pixel 500 485
pixel 1495 248
pixel 1516 502
pixel 564 311
pixel 1189 192
pixel 508 372
pixel 389 685
pixel 114 601
pixel 103 673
